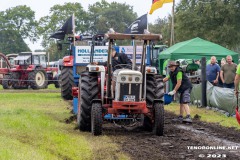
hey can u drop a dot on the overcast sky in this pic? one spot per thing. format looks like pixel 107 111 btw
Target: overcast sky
pixel 42 8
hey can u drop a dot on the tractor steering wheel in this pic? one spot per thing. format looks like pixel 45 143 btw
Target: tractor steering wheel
pixel 122 66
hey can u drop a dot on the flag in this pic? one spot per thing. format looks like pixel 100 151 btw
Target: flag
pixel 158 4
pixel 138 26
pixel 67 28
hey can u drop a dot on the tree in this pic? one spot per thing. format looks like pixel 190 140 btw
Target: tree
pixel 162 26
pixel 21 19
pixel 104 15
pixel 216 21
pixel 57 17
pixel 12 42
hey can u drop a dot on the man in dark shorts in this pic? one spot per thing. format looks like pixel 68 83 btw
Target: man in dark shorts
pixel 183 86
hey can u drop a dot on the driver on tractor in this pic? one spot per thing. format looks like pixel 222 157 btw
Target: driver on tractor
pixel 117 60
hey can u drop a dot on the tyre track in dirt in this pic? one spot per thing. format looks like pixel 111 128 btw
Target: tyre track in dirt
pixel 141 145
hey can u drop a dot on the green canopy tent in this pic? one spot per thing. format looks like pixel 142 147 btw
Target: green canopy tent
pixel 195 49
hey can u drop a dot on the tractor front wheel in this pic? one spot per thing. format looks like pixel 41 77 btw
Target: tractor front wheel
pixel 7 81
pixel 67 82
pixel 96 119
pixel 158 111
pixel 88 89
pixel 38 79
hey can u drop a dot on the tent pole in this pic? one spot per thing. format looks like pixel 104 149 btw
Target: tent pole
pixel 172 41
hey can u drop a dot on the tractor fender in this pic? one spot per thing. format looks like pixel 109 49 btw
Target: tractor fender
pixel 68 61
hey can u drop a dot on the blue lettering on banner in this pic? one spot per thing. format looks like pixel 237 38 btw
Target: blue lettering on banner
pixel 100 51
pixel 83 51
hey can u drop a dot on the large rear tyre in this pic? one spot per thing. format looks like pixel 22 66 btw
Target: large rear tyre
pixel 158 119
pixel 38 79
pixel 89 90
pixel 67 82
pixel 154 88
pixel 96 119
pixel 7 82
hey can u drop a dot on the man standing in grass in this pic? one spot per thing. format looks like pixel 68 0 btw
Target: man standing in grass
pixel 213 71
pixel 183 86
pixel 228 72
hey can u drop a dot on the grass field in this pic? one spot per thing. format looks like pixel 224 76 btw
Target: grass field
pixel 206 115
pixel 33 127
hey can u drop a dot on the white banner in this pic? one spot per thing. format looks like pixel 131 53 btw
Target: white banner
pixel 128 50
pixel 82 54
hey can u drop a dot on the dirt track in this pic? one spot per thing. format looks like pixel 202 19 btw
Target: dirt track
pixel 177 137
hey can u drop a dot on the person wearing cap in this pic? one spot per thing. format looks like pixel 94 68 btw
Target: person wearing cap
pixel 183 86
pixel 117 60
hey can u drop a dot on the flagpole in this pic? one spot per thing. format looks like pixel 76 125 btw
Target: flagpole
pixel 73 24
pixel 172 41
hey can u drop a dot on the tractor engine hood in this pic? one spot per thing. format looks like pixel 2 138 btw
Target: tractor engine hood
pixel 127 76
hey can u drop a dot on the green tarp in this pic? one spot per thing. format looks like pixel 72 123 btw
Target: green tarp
pixel 221 98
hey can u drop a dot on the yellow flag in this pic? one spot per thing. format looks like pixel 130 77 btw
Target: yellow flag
pixel 158 4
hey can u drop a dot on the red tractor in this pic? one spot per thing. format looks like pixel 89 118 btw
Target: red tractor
pixel 136 93
pixel 29 70
pixel 5 67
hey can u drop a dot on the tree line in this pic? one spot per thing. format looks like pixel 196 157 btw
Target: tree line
pixel 214 20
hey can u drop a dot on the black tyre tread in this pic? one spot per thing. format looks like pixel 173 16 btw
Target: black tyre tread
pixel 67 82
pixel 154 88
pixel 88 92
pixel 147 124
pixel 96 119
pixel 56 81
pixel 31 77
pixel 158 119
pixel 6 82
pixel 15 82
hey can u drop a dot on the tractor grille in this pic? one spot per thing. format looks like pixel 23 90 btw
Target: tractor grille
pixel 124 90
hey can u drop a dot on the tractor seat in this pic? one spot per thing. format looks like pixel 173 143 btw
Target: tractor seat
pixel 192 67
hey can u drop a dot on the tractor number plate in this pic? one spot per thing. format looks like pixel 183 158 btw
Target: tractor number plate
pixel 128 98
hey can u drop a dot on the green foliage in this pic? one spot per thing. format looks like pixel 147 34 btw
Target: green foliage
pixel 58 16
pixel 162 26
pixel 104 15
pixel 17 23
pixel 21 19
pixel 216 21
pixel 12 42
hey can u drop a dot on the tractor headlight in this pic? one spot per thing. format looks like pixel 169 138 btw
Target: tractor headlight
pixel 123 78
pixel 137 79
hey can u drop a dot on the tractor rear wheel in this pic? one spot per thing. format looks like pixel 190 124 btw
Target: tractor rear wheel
pixel 7 81
pixel 154 88
pixel 38 79
pixel 67 82
pixel 57 83
pixel 88 88
pixel 96 119
pixel 158 118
